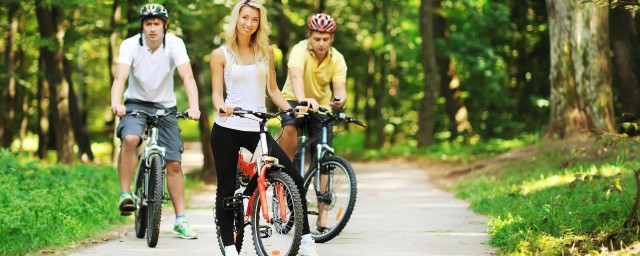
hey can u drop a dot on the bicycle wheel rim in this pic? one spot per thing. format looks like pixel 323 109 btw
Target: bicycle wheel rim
pixel 273 236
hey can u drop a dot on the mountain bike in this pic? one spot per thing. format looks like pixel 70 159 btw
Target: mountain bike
pixel 150 186
pixel 276 216
pixel 330 183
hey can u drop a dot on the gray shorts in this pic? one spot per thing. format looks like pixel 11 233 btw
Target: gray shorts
pixel 312 123
pixel 168 131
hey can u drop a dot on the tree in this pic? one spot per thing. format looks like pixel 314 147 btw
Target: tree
pixel 50 23
pixel 431 74
pixel 9 92
pixel 581 97
pixel 625 59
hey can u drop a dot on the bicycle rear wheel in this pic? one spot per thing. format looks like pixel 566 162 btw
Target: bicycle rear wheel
pixel 154 205
pixel 335 206
pixel 141 210
pixel 272 236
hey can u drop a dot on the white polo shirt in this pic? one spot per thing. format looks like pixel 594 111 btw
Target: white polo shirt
pixel 151 75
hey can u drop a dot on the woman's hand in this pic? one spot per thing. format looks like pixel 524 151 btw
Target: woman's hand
pixel 225 111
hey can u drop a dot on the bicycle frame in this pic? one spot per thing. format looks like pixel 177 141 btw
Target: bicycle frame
pixel 151 148
pixel 263 164
pixel 322 148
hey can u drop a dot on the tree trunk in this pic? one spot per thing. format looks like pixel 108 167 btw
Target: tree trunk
pixel 132 17
pixel 78 124
pixel 581 98
pixel 382 91
pixel 51 27
pixel 457 112
pixel 113 38
pixel 43 105
pixel 9 92
pixel 425 134
pixel 208 173
pixel 370 82
pixel 455 108
pixel 623 44
pixel 283 40
pixel 381 98
pixel 319 6
pixel 368 90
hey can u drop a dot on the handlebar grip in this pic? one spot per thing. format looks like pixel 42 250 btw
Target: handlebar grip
pixel 220 110
pixel 304 103
pixel 321 109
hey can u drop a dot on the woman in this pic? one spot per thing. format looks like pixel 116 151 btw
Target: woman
pixel 245 66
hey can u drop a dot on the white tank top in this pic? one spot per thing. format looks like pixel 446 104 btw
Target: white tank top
pixel 243 90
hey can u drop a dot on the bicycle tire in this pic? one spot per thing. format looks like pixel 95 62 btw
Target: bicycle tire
pixel 276 242
pixel 141 210
pixel 343 214
pixel 238 227
pixel 154 209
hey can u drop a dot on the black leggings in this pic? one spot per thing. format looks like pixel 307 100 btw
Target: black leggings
pixel 225 144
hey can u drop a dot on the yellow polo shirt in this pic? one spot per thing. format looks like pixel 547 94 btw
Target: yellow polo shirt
pixel 316 77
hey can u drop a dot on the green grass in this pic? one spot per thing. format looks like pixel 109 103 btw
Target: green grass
pixel 534 208
pixel 50 206
pixel 351 145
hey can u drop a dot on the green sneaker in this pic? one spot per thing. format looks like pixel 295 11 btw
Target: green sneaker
pixel 126 204
pixel 182 229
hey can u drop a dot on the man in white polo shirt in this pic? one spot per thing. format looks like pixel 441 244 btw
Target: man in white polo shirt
pixel 149 60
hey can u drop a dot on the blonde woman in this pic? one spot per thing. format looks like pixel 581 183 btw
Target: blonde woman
pixel 244 67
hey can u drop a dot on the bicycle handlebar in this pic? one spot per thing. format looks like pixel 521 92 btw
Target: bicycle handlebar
pixel 138 112
pixel 262 115
pixel 342 117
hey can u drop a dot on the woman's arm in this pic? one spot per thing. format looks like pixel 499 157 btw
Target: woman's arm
pixel 217 64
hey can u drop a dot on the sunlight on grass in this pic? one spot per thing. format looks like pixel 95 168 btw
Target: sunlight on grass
pixel 556 180
pixel 554 202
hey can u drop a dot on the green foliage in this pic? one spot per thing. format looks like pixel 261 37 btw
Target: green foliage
pixel 351 145
pixel 557 201
pixel 46 206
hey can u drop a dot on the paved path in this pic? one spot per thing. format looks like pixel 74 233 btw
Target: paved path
pixel 397 213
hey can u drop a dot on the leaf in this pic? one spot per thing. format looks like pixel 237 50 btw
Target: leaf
pixel 617 185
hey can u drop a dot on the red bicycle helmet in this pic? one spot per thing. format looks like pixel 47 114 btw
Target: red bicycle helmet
pixel 322 22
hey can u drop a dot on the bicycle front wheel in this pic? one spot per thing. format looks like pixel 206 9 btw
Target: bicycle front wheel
pixel 141 210
pixel 275 235
pixel 330 209
pixel 154 205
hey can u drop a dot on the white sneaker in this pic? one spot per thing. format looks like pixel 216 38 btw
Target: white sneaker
pixel 308 249
pixel 230 250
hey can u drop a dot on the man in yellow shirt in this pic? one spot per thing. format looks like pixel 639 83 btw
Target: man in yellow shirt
pixel 313 66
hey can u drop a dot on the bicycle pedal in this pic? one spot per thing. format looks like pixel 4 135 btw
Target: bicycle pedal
pixel 231 203
pixel 265 231
pixel 127 208
pixel 324 198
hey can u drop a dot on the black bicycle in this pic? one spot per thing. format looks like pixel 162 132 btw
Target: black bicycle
pixel 150 186
pixel 330 183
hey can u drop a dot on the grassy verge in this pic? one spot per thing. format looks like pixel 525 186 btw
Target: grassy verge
pixel 351 145
pixel 48 206
pixel 558 201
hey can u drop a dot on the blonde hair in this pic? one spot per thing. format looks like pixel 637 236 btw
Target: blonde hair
pixel 259 39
